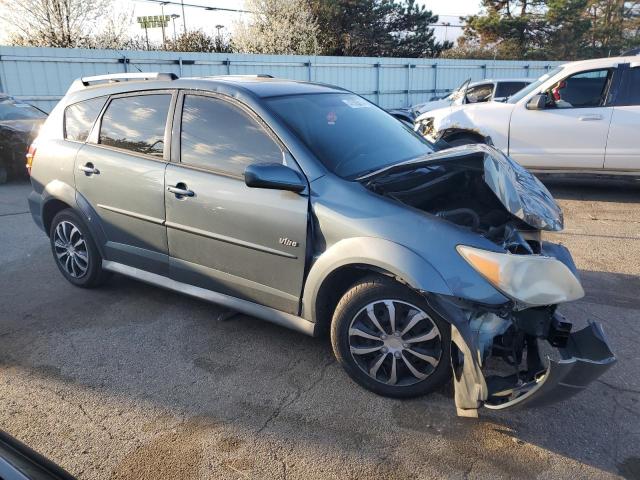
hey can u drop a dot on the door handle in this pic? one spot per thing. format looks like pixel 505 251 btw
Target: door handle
pixel 590 118
pixel 180 190
pixel 89 169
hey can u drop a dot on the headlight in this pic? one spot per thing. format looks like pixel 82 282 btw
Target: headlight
pixel 530 279
pixel 425 127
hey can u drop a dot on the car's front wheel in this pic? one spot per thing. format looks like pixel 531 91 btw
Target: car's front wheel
pixel 75 251
pixel 389 341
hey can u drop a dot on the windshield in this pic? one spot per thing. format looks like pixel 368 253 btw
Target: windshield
pixel 515 98
pixel 458 93
pixel 349 135
pixel 11 109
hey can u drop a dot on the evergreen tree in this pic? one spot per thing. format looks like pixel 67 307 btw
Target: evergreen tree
pixel 394 28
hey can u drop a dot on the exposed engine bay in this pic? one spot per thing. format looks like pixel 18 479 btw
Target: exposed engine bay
pixel 477 187
pixel 458 193
pixel 480 189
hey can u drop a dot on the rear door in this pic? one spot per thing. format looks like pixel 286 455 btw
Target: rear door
pixel 623 152
pixel 120 175
pixel 245 242
pixel 571 133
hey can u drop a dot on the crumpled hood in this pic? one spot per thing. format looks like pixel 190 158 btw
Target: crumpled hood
pixel 519 191
pixel 522 194
pixel 432 105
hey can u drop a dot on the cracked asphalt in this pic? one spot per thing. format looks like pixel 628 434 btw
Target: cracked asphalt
pixel 133 382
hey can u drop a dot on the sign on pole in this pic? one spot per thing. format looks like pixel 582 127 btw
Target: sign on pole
pixel 154 21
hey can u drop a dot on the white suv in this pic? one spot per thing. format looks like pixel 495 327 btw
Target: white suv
pixel 581 117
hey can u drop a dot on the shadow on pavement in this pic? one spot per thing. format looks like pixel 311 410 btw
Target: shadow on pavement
pixel 155 346
pixel 600 190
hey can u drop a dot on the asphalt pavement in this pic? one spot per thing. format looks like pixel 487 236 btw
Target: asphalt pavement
pixel 133 382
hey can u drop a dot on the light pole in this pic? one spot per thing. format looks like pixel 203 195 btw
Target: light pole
pixel 446 29
pixel 164 38
pixel 173 20
pixel 184 19
pixel 219 42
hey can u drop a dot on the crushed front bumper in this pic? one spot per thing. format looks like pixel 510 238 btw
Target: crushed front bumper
pixel 583 357
pixel 586 357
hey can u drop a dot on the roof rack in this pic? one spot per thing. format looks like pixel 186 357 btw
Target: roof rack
pixel 246 75
pixel 120 77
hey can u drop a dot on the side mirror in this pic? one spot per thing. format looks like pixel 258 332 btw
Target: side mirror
pixel 537 102
pixel 274 176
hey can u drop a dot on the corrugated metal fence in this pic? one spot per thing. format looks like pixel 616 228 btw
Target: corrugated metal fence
pixel 42 75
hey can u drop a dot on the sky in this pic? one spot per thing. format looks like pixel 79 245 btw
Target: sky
pixel 448 10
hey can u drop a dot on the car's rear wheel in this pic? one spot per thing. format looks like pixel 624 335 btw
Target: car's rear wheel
pixel 389 341
pixel 75 251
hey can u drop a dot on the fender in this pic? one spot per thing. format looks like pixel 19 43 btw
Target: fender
pixel 450 132
pixel 54 190
pixel 490 119
pixel 402 262
pixel 58 190
pixel 61 191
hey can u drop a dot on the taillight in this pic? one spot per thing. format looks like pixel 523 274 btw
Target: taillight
pixel 30 156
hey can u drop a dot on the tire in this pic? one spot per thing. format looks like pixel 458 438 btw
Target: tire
pixel 374 370
pixel 462 140
pixel 75 251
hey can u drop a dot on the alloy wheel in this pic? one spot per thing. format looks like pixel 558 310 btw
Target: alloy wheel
pixel 71 249
pixel 395 342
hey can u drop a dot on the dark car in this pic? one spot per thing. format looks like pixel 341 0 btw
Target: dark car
pixel 19 125
pixel 19 462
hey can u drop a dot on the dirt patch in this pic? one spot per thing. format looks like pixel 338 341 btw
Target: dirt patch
pixel 174 454
pixel 229 444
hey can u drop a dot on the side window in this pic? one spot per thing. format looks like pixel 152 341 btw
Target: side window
pixel 506 89
pixel 136 123
pixel 630 88
pixel 80 117
pixel 585 89
pixel 220 136
pixel 480 93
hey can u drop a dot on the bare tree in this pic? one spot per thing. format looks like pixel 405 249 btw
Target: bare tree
pixel 53 23
pixel 198 41
pixel 278 27
pixel 113 32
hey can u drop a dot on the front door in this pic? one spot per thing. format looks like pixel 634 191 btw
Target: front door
pixel 120 173
pixel 571 133
pixel 224 236
pixel 623 153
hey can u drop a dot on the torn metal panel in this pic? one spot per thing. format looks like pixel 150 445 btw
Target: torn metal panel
pixel 585 358
pixel 521 192
pixel 470 388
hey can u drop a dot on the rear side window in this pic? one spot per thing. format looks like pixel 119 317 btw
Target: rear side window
pixel 506 89
pixel 80 117
pixel 220 136
pixel 136 123
pixel 630 88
